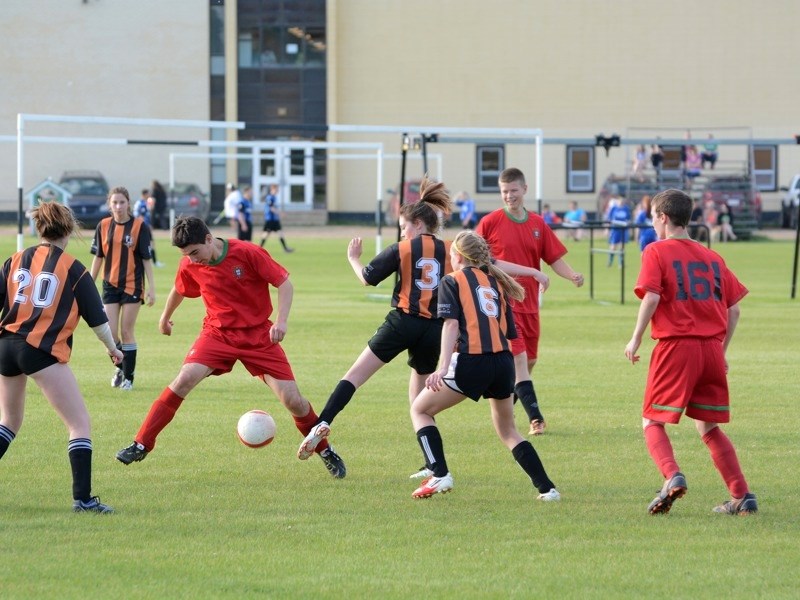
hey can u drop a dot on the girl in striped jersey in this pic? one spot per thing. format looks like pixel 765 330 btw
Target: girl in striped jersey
pixel 44 291
pixel 125 245
pixel 475 360
pixel 420 260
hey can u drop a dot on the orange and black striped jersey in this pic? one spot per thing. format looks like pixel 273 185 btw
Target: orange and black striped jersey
pixel 485 322
pixel 421 263
pixel 123 246
pixel 44 291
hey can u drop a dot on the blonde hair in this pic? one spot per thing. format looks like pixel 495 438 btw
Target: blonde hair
pixel 53 221
pixel 476 252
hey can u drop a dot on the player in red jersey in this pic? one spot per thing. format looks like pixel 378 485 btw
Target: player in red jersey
pixel 518 236
pixel 122 245
pixel 421 259
pixel 232 277
pixel 44 292
pixel 691 300
pixel 475 360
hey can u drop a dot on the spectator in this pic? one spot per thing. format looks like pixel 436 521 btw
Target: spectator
pixel 709 154
pixel 142 210
pixel 160 218
pixel 696 229
pixel 244 215
pixel 657 158
pixel 725 223
pixel 466 213
pixel 550 217
pixel 692 165
pixel 574 219
pixel 232 200
pixel 639 162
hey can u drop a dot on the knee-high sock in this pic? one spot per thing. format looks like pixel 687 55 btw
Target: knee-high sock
pixel 527 458
pixel 725 460
pixel 527 396
pixel 338 400
pixel 6 437
pixel 80 460
pixel 304 425
pixel 660 449
pixel 129 360
pixel 430 440
pixel 161 413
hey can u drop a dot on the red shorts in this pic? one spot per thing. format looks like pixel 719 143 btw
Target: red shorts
pixel 687 374
pixel 527 339
pixel 257 353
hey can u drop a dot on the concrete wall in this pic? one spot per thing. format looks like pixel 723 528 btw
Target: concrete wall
pixel 114 58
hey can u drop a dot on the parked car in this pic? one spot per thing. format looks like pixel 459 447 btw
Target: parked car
pixel 790 203
pixel 743 199
pixel 188 200
pixel 89 191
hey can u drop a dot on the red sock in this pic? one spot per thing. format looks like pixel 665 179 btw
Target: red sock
pixel 724 456
pixel 304 425
pixel 660 449
pixel 161 413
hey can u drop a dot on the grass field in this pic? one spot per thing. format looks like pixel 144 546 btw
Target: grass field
pixel 205 517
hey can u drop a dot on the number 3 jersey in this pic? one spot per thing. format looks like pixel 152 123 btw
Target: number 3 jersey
pixel 696 289
pixel 421 264
pixel 44 292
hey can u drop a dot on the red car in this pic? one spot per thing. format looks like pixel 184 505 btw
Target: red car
pixel 410 195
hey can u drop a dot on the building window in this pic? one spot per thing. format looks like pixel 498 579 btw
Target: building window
pixel 489 163
pixel 580 168
pixel 765 168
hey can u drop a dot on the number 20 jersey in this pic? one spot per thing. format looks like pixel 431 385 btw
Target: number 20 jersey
pixel 696 289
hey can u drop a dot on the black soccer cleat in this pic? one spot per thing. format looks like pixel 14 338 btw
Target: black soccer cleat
pixel 746 505
pixel 133 453
pixel 674 488
pixel 93 505
pixel 334 463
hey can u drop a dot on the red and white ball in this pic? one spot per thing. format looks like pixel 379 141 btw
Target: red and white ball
pixel 256 428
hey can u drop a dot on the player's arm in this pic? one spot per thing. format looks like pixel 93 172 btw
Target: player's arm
pixel 285 295
pixel 174 300
pixel 516 270
pixel 150 289
pixel 354 251
pixel 733 320
pixel 449 337
pixel 103 333
pixel 562 269
pixel 646 310
pixel 94 269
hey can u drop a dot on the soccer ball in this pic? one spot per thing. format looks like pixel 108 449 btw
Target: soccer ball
pixel 256 428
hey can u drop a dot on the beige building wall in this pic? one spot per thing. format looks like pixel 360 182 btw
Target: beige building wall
pixel 574 68
pixel 110 58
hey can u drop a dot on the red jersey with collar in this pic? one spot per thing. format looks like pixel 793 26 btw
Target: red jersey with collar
pixel 475 299
pixel 235 287
pixel 527 242
pixel 695 286
pixel 123 246
pixel 44 292
pixel 421 263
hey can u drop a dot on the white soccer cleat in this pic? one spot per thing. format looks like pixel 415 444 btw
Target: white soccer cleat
pixel 421 474
pixel 551 496
pixel 434 485
pixel 309 444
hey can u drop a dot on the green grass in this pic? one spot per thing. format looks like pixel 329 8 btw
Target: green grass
pixel 205 517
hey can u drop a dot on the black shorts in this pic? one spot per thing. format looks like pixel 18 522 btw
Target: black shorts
pixel 272 225
pixel 487 375
pixel 245 236
pixel 115 295
pixel 400 331
pixel 18 357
